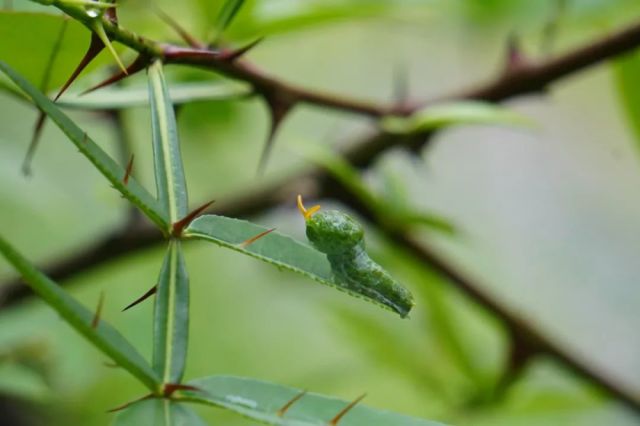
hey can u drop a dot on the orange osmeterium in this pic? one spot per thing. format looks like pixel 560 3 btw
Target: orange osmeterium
pixel 306 213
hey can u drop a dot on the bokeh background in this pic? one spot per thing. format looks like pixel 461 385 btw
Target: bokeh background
pixel 547 218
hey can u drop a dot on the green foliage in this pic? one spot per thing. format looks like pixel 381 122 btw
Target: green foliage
pixel 179 93
pixel 170 182
pixel 40 43
pixel 227 13
pixel 157 412
pixel 626 73
pixel 455 113
pixel 264 402
pixel 281 251
pixel 102 335
pixel 115 174
pixel 171 317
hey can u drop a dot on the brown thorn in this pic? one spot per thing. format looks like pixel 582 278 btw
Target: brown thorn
pixel 169 388
pixel 400 84
pixel 184 35
pixel 127 404
pixel 177 227
pixel 85 138
pixel 110 364
pixel 345 410
pixel 282 411
pixel 95 46
pixel 111 14
pixel 521 351
pixel 515 57
pixel 278 110
pixel 232 55
pixel 246 243
pixel 35 138
pixel 44 87
pixel 142 298
pixel 96 316
pixel 127 172
pixel 137 65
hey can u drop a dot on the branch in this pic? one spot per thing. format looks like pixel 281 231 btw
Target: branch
pixel 526 78
pixel 521 80
pixel 225 62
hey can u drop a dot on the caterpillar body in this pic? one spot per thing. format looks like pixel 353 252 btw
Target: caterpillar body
pixel 341 239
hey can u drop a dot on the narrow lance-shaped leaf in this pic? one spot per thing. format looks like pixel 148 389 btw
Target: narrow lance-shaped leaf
pixel 626 72
pixel 274 248
pixel 171 317
pixel 44 87
pixel 157 412
pixel 135 96
pixel 275 404
pixel 170 181
pixel 102 335
pixel 132 190
pixel 452 113
pixel 228 11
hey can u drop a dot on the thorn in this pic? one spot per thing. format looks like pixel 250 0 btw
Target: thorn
pixel 127 172
pixel 283 410
pixel 127 404
pixel 110 364
pixel 246 243
pixel 111 13
pixel 515 57
pixel 96 316
pixel 178 226
pixel 95 46
pixel 232 55
pixel 184 35
pixel 35 138
pixel 400 84
pixel 278 110
pixel 99 31
pixel 137 65
pixel 169 388
pixel 345 410
pixel 85 138
pixel 142 298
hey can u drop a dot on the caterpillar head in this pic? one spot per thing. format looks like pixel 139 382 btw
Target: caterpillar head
pixel 331 232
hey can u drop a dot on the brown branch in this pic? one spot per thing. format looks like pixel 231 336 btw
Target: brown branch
pixel 524 79
pixel 518 327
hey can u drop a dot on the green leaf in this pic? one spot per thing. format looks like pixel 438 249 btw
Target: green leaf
pixel 274 248
pixel 261 401
pixel 29 38
pixel 447 114
pixel 103 336
pixel 129 97
pixel 171 317
pixel 626 72
pixel 170 181
pixel 132 191
pixel 228 11
pixel 157 412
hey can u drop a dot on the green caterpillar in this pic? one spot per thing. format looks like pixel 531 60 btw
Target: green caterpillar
pixel 341 239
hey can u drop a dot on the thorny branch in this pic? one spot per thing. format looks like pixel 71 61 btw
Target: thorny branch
pixel 526 77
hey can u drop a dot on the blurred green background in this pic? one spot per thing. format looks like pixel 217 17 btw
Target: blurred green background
pixel 547 218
